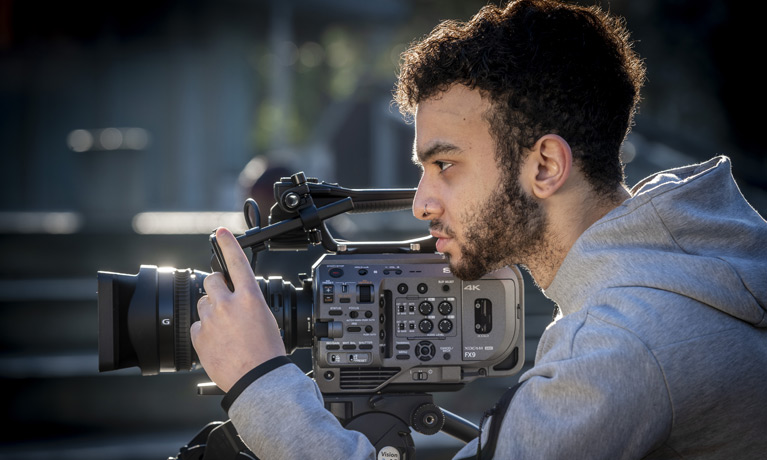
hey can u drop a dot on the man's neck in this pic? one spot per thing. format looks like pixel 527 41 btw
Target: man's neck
pixel 568 219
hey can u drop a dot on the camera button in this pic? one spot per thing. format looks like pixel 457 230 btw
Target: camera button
pixel 422 288
pixel 365 293
pixel 349 347
pixel 335 312
pixel 336 272
pixel 425 350
pixel 353 328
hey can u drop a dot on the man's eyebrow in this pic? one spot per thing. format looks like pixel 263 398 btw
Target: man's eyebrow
pixel 439 148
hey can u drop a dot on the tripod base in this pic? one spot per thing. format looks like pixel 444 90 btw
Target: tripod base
pixel 216 441
pixel 385 419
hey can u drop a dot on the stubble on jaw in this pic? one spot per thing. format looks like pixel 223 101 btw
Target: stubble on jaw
pixel 508 228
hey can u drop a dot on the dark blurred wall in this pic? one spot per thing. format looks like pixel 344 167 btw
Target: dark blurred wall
pixel 702 96
pixel 208 85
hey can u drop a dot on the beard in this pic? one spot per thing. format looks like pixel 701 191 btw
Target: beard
pixel 507 228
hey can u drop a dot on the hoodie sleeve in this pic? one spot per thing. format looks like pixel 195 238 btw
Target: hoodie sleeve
pixel 281 416
pixel 596 392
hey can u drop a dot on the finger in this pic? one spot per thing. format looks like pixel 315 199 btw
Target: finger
pixel 215 285
pixel 239 266
pixel 203 306
pixel 194 329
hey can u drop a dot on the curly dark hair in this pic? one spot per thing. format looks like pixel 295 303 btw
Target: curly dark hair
pixel 546 67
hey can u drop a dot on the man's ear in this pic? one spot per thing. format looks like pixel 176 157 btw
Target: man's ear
pixel 552 159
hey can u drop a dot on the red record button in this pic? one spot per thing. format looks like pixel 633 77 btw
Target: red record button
pixel 336 272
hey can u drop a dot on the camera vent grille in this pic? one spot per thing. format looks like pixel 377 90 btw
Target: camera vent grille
pixel 366 378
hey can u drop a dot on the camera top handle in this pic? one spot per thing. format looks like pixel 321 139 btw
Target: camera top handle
pixel 297 222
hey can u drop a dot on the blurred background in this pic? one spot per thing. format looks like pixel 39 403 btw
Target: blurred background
pixel 129 130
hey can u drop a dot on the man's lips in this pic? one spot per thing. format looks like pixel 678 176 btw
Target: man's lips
pixel 442 241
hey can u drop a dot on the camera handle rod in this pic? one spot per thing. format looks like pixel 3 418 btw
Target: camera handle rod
pixel 299 195
pixel 458 427
pixel 310 223
pixel 300 222
pixel 256 237
pixel 293 192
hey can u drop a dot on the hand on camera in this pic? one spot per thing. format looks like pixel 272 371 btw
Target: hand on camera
pixel 236 331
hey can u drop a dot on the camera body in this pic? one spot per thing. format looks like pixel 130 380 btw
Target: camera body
pixel 380 317
pixel 403 322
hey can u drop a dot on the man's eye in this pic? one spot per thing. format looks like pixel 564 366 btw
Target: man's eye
pixel 442 165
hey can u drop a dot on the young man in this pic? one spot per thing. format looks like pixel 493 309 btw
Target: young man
pixel 660 350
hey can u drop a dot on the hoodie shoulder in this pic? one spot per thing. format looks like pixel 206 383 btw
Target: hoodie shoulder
pixel 688 231
pixel 707 216
pixel 670 178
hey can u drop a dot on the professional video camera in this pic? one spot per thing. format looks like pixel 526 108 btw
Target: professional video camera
pixel 386 321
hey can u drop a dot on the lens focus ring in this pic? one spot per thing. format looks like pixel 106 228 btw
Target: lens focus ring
pixel 182 313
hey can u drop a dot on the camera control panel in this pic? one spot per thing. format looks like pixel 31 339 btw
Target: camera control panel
pixel 403 319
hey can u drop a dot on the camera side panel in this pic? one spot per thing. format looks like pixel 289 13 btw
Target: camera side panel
pixel 404 323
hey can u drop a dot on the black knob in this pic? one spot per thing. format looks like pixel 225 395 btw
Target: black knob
pixel 298 178
pixel 427 419
pixel 425 308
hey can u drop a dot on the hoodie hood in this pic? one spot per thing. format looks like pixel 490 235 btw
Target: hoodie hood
pixel 689 231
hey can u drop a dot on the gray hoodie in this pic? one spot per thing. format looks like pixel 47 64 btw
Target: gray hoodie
pixel 661 350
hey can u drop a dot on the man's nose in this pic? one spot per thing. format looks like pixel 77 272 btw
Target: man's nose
pixel 425 206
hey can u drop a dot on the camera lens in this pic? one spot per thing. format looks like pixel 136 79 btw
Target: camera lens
pixel 292 308
pixel 144 319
